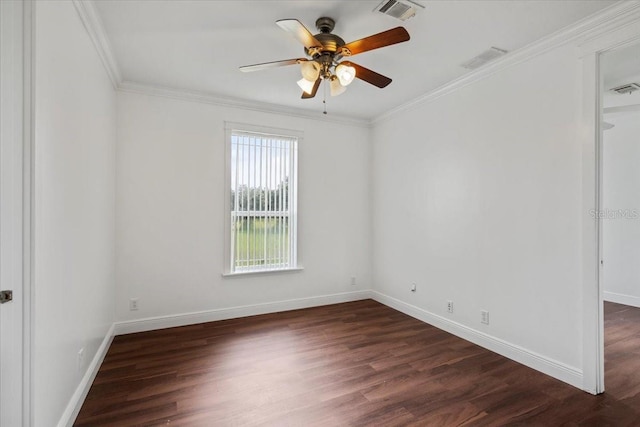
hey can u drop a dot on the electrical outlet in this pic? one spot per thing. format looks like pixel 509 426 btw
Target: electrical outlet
pixel 353 280
pixel 484 316
pixel 449 306
pixel 413 287
pixel 133 304
pixel 80 359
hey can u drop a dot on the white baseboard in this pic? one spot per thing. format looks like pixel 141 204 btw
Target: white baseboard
pixel 514 352
pixel 75 404
pixel 622 299
pixel 170 321
pixel 531 359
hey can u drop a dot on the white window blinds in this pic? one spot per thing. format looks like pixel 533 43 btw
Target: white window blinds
pixel 263 201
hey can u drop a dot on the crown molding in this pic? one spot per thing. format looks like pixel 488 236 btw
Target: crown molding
pixel 93 24
pixel 207 98
pixel 95 29
pixel 618 15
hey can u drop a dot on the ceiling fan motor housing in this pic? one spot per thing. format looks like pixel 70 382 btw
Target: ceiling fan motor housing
pixel 330 42
pixel 325 24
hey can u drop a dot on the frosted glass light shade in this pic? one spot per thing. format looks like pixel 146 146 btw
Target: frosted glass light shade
pixel 306 85
pixel 345 73
pixel 336 87
pixel 310 70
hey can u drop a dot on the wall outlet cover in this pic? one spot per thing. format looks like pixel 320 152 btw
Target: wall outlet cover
pixel 80 359
pixel 484 317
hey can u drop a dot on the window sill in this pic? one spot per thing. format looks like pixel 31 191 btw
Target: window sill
pixel 261 272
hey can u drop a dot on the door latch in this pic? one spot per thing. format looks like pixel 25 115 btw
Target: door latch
pixel 6 296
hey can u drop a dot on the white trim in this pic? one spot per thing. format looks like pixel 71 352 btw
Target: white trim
pixel 229 102
pixel 16 112
pixel 590 126
pixel 95 29
pixel 612 35
pixel 514 352
pixel 630 300
pixel 294 138
pixel 621 30
pixel 259 272
pixel 614 16
pixel 28 206
pixel 546 365
pixel 75 404
pixel 264 130
pixel 173 320
pixel 226 215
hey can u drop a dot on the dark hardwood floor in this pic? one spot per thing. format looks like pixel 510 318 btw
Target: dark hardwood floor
pixel 360 364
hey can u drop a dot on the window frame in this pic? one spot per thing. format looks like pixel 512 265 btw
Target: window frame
pixel 228 268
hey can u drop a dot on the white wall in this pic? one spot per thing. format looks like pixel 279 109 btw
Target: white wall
pixel 170 198
pixel 75 134
pixel 477 199
pixel 621 210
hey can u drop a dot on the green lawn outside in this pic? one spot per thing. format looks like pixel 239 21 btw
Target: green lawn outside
pixel 261 241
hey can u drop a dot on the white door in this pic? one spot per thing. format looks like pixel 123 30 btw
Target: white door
pixel 11 212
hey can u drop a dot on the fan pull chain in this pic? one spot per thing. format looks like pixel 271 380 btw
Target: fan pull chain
pixel 324 99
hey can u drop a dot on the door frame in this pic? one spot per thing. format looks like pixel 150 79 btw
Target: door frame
pixel 17 116
pixel 620 33
pixel 28 206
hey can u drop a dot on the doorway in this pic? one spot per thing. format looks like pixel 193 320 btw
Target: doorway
pixel 620 219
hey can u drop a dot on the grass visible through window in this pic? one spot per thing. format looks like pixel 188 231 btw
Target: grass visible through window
pixel 261 242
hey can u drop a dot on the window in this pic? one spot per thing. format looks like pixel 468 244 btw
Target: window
pixel 262 199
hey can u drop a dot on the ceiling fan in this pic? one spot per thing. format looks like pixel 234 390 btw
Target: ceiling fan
pixel 324 53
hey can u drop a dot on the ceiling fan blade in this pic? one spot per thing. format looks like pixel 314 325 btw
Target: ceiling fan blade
pixel 376 41
pixel 299 31
pixel 316 85
pixel 274 64
pixel 369 76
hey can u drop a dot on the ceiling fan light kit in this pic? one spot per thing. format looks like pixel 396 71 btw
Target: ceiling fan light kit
pixel 306 85
pixel 345 74
pixel 310 70
pixel 325 52
pixel 336 87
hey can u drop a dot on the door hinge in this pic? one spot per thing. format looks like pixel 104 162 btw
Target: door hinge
pixel 6 296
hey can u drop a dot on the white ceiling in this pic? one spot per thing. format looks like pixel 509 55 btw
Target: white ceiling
pixel 621 66
pixel 199 45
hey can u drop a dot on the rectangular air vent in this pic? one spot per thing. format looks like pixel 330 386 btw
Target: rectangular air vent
pixel 485 57
pixel 628 88
pixel 399 9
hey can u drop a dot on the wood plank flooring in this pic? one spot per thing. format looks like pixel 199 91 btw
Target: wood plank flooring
pixel 352 364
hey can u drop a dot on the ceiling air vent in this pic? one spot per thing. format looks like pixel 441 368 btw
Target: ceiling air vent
pixel 400 9
pixel 628 88
pixel 485 57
